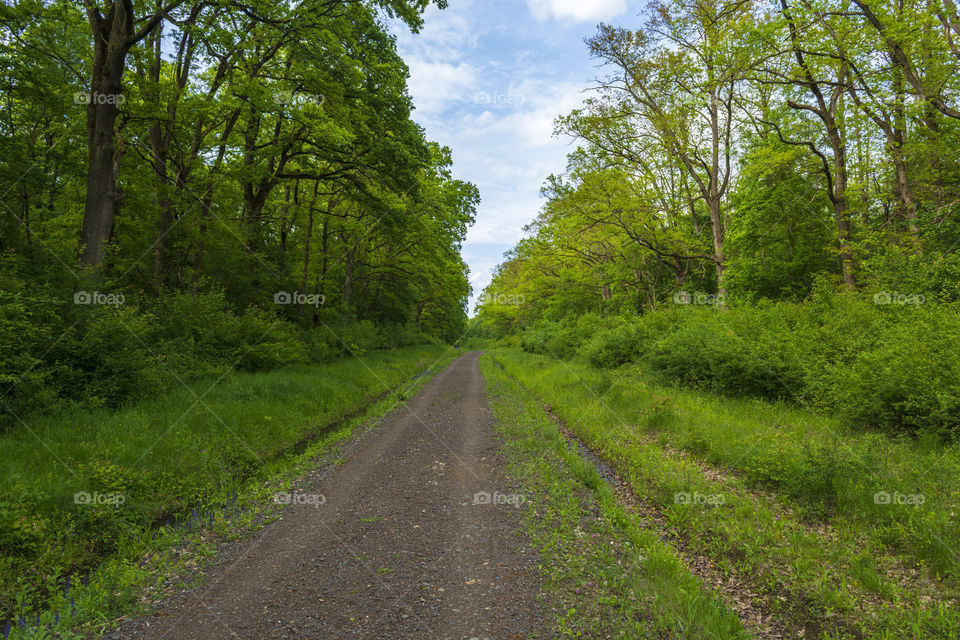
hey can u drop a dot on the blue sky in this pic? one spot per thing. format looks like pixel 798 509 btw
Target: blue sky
pixel 488 78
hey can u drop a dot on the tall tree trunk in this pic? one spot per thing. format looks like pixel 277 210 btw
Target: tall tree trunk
pixel 113 35
pixel 841 212
pixel 895 140
pixel 713 186
pixel 717 223
pixel 161 134
pixel 826 110
pixel 286 223
pixel 25 215
pixel 306 244
pixel 322 279
pixel 347 283
pixel 165 216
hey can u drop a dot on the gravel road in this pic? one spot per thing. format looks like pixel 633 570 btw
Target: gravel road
pixel 391 544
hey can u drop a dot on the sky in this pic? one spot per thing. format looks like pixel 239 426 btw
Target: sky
pixel 488 78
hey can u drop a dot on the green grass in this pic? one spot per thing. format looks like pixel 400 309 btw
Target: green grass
pixel 606 575
pixel 179 457
pixel 799 521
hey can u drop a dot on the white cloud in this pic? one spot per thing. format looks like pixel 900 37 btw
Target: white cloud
pixel 479 275
pixel 579 10
pixel 445 35
pixel 524 116
pixel 434 85
pixel 502 225
pixel 488 79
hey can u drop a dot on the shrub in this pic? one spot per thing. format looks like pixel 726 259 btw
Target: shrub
pixel 722 351
pixel 534 340
pixel 613 346
pixel 55 353
pixel 627 339
pixel 838 351
pixel 28 325
pixel 267 342
pixel 908 382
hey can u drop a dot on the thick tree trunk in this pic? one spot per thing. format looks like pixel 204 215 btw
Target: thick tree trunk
pixel 716 222
pixel 713 187
pixel 347 283
pixel 840 210
pixel 113 36
pixel 905 193
pixel 160 146
pixel 846 252
pixel 895 140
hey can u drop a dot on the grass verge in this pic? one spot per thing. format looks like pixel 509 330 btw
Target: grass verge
pixel 174 467
pixel 825 556
pixel 607 575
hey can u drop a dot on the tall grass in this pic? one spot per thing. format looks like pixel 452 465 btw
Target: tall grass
pixel 613 577
pixel 827 469
pixel 872 359
pixel 158 459
pixel 850 516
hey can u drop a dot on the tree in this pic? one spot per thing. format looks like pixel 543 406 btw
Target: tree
pixel 672 92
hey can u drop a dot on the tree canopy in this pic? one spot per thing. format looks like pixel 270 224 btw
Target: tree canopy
pixel 750 149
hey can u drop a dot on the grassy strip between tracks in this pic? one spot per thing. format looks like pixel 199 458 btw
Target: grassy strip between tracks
pixel 183 470
pixel 785 501
pixel 606 575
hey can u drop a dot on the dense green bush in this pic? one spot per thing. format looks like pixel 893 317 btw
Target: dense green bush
pixel 54 352
pixel 562 339
pixel 731 352
pixel 613 346
pixel 621 340
pixel 27 323
pixel 861 356
pixel 908 381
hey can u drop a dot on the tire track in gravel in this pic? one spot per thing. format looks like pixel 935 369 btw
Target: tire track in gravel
pixel 397 549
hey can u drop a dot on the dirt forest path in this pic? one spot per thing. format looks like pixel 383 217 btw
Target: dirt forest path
pixel 397 549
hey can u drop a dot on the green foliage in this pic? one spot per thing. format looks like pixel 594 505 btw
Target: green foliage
pixel 624 339
pixel 805 498
pixel 909 380
pixel 738 352
pixel 837 170
pixel 166 457
pixel 778 242
pixel 275 203
pixel 94 356
pixel 840 352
